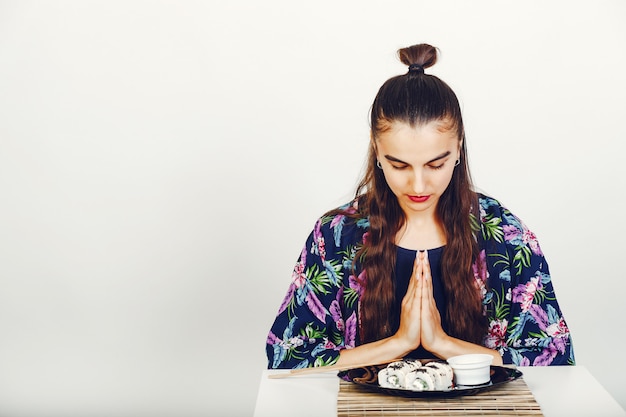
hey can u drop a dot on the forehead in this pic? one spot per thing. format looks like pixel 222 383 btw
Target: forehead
pixel 418 142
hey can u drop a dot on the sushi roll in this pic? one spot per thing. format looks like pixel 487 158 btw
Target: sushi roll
pixel 394 375
pixel 443 375
pixel 420 379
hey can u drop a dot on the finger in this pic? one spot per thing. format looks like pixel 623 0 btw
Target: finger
pixel 426 264
pixel 419 274
pixel 410 292
pixel 418 266
pixel 426 275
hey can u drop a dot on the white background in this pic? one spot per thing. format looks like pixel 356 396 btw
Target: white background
pixel 162 162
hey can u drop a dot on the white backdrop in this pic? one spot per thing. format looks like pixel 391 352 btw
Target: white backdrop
pixel 162 162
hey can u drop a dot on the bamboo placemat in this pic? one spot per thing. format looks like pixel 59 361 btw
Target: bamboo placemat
pixel 510 399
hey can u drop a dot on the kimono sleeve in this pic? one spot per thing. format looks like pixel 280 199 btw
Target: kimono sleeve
pixel 525 321
pixel 312 324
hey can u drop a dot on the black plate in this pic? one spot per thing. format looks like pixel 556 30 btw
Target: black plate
pixel 367 377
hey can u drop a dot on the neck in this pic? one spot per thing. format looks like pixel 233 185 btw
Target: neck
pixel 421 232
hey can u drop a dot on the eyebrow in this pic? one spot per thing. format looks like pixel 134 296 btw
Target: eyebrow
pixel 435 159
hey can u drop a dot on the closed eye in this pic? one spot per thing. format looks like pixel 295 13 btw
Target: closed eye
pixel 399 167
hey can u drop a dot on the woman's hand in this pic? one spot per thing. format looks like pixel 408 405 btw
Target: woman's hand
pixel 410 316
pixel 432 334
pixel 420 324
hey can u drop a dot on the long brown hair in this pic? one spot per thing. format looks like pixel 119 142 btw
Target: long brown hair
pixel 417 98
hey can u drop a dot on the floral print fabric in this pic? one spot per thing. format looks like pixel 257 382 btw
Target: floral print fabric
pixel 319 314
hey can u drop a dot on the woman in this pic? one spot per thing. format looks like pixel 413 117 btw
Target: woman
pixel 419 264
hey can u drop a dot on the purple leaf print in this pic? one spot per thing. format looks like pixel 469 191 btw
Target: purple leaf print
pixel 337 225
pixel 287 298
pixel 540 316
pixel 298 276
pixel 356 283
pixel 480 266
pixel 317 231
pixel 337 220
pixel 350 339
pixel 559 344
pixel 335 313
pixel 546 357
pixel 512 234
pixel 271 338
pixel 316 307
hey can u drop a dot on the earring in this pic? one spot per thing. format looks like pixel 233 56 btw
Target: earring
pixel 378 164
pixel 458 161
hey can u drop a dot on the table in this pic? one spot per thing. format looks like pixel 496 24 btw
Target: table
pixel 560 391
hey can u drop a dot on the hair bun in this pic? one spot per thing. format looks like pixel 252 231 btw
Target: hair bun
pixel 418 57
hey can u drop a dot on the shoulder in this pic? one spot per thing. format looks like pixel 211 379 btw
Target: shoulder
pixel 346 224
pixel 499 224
pixel 493 210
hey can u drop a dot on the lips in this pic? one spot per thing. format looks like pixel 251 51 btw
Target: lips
pixel 419 198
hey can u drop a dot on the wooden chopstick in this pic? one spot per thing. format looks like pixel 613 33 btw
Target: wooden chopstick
pixel 329 368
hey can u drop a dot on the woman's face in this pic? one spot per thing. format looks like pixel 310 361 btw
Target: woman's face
pixel 418 163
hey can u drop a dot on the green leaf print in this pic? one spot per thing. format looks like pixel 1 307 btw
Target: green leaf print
pixel 492 228
pixel 350 296
pixel 312 332
pixel 521 259
pixel 505 259
pixel 318 280
pixel 501 306
pixel 474 223
pixel 322 361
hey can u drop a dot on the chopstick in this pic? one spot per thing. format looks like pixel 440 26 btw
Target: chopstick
pixel 329 368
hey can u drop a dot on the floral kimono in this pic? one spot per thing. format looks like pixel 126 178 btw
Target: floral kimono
pixel 319 315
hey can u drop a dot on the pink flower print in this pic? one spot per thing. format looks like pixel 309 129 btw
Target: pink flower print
pixel 558 330
pixel 299 280
pixel 479 268
pixel 524 294
pixel 366 236
pixel 497 334
pixel 298 276
pixel 531 240
pixel 319 247
pixel 329 345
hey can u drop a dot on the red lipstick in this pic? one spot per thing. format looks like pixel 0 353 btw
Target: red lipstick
pixel 419 198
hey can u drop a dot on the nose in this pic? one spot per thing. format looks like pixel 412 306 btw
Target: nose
pixel 418 182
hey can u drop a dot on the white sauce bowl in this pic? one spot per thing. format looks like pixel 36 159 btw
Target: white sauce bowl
pixel 471 369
